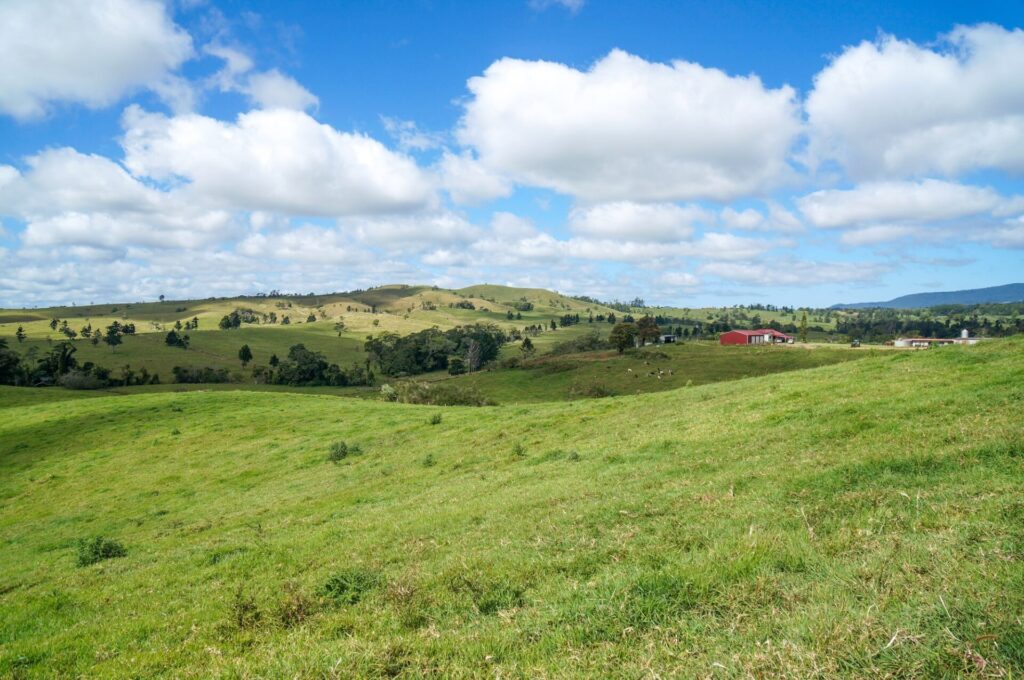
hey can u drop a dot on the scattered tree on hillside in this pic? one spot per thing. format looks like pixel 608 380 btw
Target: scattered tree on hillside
pixel 53 324
pixel 339 327
pixel 20 334
pixel 161 298
pixel 176 339
pixel 245 355
pixel 527 348
pixel 229 321
pixel 11 372
pixel 274 361
pixel 113 335
pixel 647 329
pixel 623 336
pixel 803 328
pixel 311 318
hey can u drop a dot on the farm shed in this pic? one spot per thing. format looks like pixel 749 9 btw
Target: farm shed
pixel 761 336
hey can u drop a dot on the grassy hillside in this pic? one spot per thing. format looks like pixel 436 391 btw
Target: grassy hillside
pixel 860 519
pixel 651 369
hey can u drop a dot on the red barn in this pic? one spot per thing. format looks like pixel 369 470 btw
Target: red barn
pixel 762 336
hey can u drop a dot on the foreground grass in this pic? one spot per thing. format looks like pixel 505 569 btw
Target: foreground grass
pixel 862 519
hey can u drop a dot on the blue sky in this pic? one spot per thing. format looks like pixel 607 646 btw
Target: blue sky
pixel 690 153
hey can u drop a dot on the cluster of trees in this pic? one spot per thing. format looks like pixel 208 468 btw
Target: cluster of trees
pixel 635 303
pixel 630 334
pixel 462 304
pixel 59 366
pixel 460 349
pixel 886 324
pixel 176 339
pixel 308 368
pixel 249 316
pixel 195 374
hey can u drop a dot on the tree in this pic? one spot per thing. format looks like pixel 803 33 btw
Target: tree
pixel 176 339
pixel 339 327
pixel 274 361
pixel 456 365
pixel 527 347
pixel 245 355
pixel 311 318
pixel 11 372
pixel 161 298
pixel 622 336
pixel 20 334
pixel 803 328
pixel 53 324
pixel 113 335
pixel 647 329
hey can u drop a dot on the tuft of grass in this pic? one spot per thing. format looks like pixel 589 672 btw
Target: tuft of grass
pixel 341 450
pixel 349 586
pixel 435 419
pixel 98 549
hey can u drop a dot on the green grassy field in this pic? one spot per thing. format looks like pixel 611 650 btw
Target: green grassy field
pixel 650 369
pixel 861 519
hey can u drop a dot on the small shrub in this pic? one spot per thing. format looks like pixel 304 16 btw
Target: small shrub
pixel 99 549
pixel 594 389
pixel 435 419
pixel 429 460
pixel 444 393
pixel 388 393
pixel 245 613
pixel 341 450
pixel 350 585
pixel 573 456
pixel 81 380
pixel 518 450
pixel 295 607
pixel 589 342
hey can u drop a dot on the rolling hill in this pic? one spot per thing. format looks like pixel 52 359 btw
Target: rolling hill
pixel 862 519
pixel 1011 292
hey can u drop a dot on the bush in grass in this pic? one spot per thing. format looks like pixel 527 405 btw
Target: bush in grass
pixel 340 450
pixel 350 585
pixel 295 607
pixel 99 549
pixel 589 342
pixel 443 393
pixel 593 388
pixel 81 380
pixel 435 419
pixel 245 613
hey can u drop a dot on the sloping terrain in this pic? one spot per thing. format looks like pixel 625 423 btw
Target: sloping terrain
pixel 856 520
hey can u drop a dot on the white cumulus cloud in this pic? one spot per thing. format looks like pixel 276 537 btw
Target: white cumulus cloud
pixel 892 108
pixel 925 201
pixel 629 129
pixel 638 221
pixel 274 160
pixel 86 51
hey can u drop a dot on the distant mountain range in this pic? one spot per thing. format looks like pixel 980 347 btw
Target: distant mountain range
pixel 1011 292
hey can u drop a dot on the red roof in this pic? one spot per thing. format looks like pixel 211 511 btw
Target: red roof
pixel 763 331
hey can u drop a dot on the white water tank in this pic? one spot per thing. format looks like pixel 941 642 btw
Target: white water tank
pixel 964 334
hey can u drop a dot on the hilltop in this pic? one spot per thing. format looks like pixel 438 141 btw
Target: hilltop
pixel 1011 292
pixel 859 519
